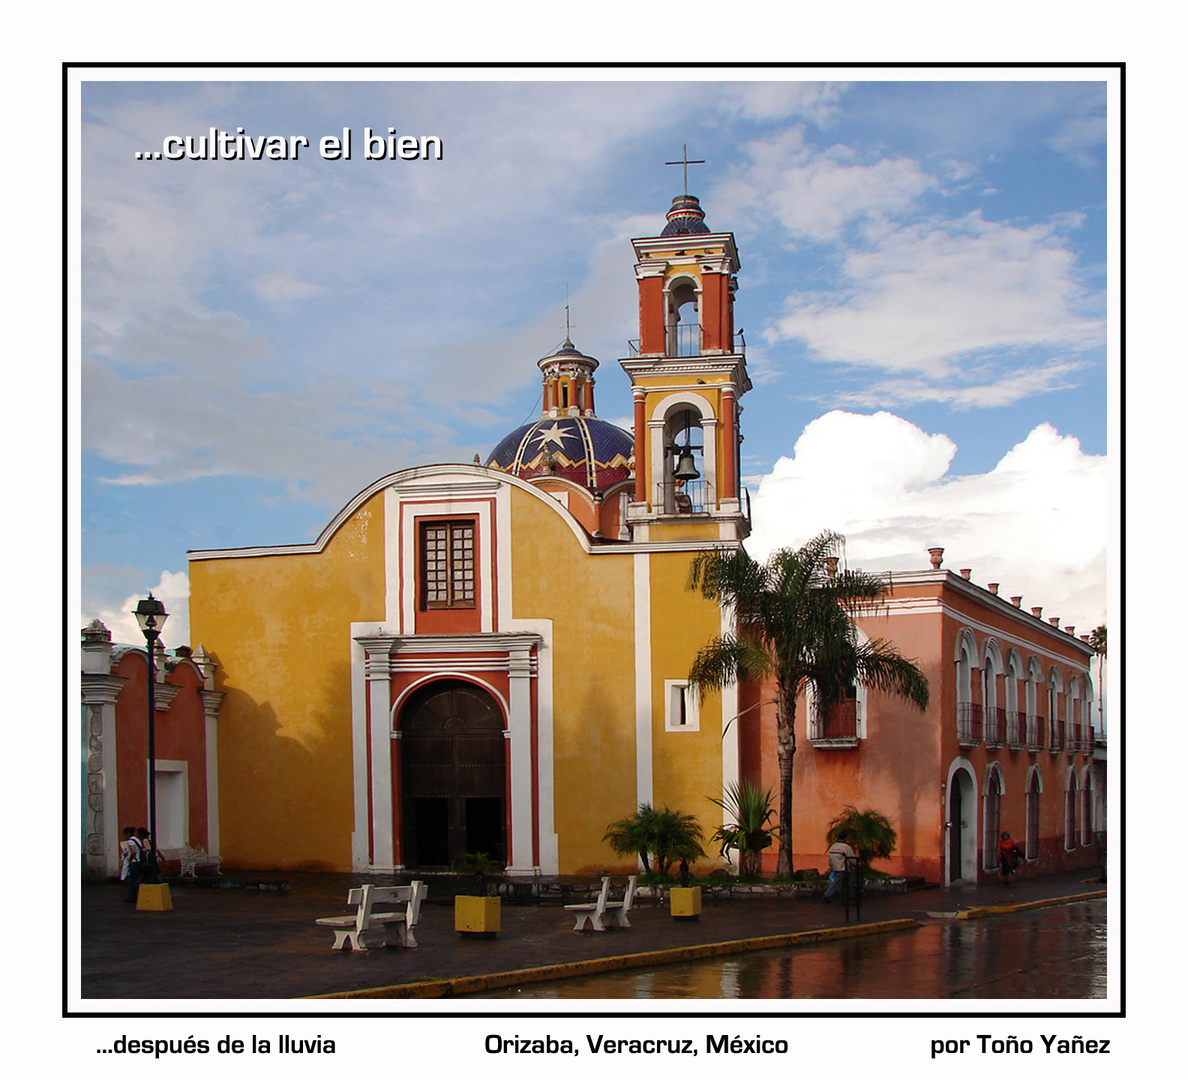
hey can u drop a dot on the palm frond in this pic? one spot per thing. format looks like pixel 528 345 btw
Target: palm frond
pixel 879 664
pixel 722 661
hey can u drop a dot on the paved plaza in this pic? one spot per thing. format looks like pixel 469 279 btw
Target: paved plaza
pixel 262 943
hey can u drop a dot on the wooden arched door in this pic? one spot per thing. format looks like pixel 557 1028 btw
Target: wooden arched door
pixel 452 775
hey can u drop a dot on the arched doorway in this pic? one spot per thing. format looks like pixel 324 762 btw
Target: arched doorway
pixel 452 775
pixel 962 828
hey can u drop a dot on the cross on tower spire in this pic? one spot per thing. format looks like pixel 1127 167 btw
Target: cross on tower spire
pixel 685 163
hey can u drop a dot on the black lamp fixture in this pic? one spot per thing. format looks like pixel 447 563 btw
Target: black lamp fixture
pixel 151 615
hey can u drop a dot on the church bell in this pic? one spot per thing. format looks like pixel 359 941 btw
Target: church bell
pixel 685 469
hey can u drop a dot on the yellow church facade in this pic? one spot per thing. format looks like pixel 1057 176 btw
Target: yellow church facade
pixel 492 657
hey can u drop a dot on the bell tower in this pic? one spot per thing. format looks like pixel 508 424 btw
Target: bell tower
pixel 687 372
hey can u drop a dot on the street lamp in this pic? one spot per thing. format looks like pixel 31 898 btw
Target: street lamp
pixel 151 615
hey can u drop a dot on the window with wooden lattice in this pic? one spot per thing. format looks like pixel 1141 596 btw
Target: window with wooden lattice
pixel 447 564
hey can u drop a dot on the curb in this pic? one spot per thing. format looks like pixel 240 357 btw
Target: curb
pixel 474 984
pixel 1028 905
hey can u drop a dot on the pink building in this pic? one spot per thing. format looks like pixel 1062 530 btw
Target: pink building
pixel 1006 743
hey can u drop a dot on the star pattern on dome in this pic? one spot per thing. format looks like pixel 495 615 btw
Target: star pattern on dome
pixel 555 434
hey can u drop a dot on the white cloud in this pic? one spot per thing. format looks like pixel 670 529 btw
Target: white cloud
pixel 1009 385
pixel 173 590
pixel 1036 523
pixel 818 102
pixel 816 195
pixel 924 297
pixel 1080 139
pixel 281 286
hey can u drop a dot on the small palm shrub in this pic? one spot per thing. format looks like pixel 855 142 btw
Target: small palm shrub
pixel 749 832
pixel 868 832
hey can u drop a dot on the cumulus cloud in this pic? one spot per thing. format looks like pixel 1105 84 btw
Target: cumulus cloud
pixel 1036 523
pixel 818 102
pixel 902 277
pixel 814 194
pixel 928 296
pixel 173 590
pixel 1081 139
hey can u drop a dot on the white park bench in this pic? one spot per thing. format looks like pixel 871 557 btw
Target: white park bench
pixel 397 926
pixel 604 909
pixel 193 857
pixel 190 858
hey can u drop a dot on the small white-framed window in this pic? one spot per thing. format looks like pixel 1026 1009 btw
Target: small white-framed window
pixel 682 708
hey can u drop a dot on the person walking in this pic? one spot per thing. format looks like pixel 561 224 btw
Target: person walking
pixel 839 852
pixel 126 847
pixel 137 864
pixel 1009 857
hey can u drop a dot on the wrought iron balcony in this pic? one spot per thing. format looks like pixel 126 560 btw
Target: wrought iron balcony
pixel 969 723
pixel 685 497
pixel 838 727
pixel 686 341
pixel 996 727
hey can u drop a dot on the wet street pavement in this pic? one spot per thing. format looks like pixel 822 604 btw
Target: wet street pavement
pixel 1051 953
pixel 228 944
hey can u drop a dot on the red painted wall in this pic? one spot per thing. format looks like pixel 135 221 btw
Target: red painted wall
pixel 180 733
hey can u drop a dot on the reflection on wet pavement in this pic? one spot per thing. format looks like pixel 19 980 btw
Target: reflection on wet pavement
pixel 1050 954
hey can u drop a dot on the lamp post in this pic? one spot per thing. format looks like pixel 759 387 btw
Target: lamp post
pixel 151 615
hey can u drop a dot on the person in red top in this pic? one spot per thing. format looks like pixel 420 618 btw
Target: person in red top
pixel 1009 857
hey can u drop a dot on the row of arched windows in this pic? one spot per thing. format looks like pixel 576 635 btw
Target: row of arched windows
pixel 1009 701
pixel 1081 811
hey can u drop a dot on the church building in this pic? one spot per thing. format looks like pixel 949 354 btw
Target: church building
pixel 494 656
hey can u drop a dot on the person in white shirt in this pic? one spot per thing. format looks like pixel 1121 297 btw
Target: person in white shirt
pixel 126 847
pixel 838 853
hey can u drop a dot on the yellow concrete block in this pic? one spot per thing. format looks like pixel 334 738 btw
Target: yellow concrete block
pixel 685 903
pixel 477 914
pixel 153 898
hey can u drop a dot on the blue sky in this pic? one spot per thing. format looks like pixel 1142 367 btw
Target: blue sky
pixel 923 292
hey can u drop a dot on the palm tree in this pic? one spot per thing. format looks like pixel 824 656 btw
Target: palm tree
pixel 1097 642
pixel 747 829
pixel 794 616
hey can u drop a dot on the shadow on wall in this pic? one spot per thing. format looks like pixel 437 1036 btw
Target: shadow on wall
pixel 286 780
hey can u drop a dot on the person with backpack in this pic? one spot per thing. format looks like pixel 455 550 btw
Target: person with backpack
pixel 142 866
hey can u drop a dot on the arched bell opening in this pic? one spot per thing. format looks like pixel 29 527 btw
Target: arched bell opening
pixel 682 328
pixel 685 489
pixel 453 775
